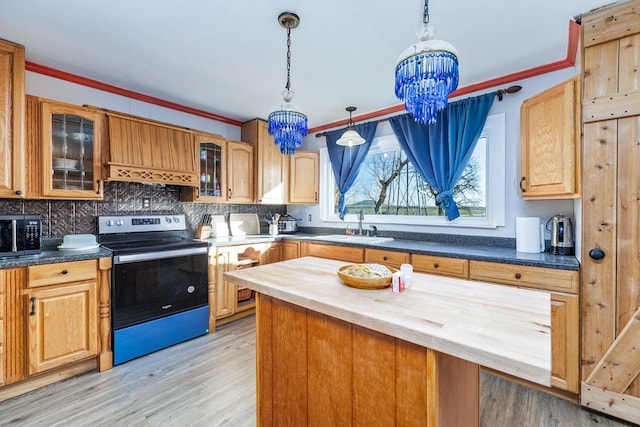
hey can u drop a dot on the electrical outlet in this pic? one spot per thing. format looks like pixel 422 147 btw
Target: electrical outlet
pixel 146 203
pixel 309 218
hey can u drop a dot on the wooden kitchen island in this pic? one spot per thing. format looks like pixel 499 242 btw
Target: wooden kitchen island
pixel 332 355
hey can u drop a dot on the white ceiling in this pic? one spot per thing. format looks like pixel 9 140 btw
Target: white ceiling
pixel 229 57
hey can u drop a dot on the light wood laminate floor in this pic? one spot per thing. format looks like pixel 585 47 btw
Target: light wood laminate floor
pixel 210 381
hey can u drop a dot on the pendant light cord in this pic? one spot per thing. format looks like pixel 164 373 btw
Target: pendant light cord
pixel 425 13
pixel 288 57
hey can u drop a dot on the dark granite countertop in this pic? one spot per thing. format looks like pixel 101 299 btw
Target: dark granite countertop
pixel 506 255
pixel 52 257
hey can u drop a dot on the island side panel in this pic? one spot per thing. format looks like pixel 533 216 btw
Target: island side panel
pixel 458 391
pixel 374 378
pixel 264 360
pixel 329 370
pixel 289 364
pixel 323 370
pixel 415 380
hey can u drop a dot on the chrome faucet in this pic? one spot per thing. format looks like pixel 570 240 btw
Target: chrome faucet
pixel 373 231
pixel 360 219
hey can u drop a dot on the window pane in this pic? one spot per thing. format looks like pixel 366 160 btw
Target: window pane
pixel 389 185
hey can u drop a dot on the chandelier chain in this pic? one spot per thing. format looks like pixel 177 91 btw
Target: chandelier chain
pixel 288 57
pixel 425 13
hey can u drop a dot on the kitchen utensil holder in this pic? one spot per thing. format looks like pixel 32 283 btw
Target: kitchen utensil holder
pixel 203 231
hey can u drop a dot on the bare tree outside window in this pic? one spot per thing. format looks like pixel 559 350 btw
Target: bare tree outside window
pixel 389 185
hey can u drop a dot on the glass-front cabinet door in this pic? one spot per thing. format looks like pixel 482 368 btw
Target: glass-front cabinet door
pixel 212 150
pixel 71 154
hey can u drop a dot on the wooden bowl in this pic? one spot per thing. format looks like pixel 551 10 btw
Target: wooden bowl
pixel 365 282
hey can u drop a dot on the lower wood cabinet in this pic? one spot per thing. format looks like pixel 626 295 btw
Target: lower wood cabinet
pixel 55 322
pixel 290 249
pixel 229 302
pixel 271 253
pixel 386 257
pixel 340 253
pixel 444 266
pixel 62 325
pixel 565 312
pixel 62 321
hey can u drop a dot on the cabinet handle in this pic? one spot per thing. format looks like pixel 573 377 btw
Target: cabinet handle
pixel 230 193
pixel 384 258
pixel 98 184
pixel 64 272
pixel 518 275
pixel 521 187
pixel 18 192
pixel 33 306
pixel 436 265
pixel 316 196
pixel 596 253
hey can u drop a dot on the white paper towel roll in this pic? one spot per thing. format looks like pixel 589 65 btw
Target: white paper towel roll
pixel 528 234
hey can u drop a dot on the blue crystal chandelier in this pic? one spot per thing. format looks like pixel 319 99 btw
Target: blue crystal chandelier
pixel 427 72
pixel 287 122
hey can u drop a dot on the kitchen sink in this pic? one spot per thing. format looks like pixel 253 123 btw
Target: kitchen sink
pixel 353 239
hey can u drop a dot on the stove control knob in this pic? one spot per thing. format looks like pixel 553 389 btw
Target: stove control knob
pixel 168 219
pixel 109 223
pixel 176 219
pixel 119 223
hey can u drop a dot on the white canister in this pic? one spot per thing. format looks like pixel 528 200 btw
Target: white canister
pixel 407 274
pixel 273 229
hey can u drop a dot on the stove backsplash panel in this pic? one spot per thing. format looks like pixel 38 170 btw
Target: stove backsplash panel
pixel 61 217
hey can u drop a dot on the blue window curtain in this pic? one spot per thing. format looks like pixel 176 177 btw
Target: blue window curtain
pixel 440 151
pixel 347 161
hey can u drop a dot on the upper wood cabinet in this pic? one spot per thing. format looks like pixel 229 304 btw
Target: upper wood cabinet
pixel 304 177
pixel 71 151
pixel 11 120
pixel 550 143
pixel 146 151
pixel 240 172
pixel 213 170
pixel 271 165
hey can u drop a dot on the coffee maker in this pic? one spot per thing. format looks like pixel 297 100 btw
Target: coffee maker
pixel 561 235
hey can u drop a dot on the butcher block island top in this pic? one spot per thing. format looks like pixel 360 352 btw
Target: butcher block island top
pixel 503 328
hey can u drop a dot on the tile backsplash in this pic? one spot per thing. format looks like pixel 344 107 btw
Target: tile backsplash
pixel 61 217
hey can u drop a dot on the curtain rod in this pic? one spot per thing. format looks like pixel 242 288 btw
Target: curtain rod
pixel 499 93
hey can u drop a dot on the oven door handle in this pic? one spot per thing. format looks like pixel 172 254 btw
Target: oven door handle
pixel 150 256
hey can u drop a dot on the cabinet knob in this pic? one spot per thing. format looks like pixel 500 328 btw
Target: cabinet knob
pixel 521 187
pixel 596 253
pixel 436 265
pixel 384 257
pixel 18 192
pixel 64 272
pixel 33 306
pixel 518 276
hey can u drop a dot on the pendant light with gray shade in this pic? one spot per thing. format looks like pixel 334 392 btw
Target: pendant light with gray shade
pixel 350 137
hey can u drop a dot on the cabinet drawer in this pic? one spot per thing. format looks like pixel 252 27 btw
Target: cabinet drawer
pixel 519 275
pixel 340 253
pixel 64 272
pixel 393 259
pixel 452 267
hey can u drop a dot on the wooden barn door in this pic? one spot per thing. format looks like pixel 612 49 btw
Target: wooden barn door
pixel 610 286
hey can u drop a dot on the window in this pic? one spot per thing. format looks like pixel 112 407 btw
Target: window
pixel 389 190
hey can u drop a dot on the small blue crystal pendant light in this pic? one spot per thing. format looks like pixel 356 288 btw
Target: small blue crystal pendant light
pixel 427 72
pixel 287 122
